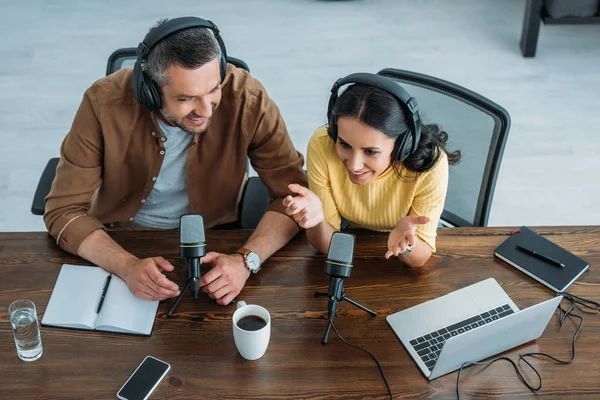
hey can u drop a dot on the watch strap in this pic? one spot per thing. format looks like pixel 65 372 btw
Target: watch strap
pixel 243 251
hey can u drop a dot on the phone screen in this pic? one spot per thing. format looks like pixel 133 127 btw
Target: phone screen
pixel 145 378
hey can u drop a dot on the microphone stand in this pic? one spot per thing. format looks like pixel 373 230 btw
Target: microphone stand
pixel 192 283
pixel 340 295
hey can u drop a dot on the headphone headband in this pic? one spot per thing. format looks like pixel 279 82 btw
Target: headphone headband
pixel 145 89
pixel 172 26
pixel 401 151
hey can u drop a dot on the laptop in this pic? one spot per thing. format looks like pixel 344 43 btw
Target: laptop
pixel 469 324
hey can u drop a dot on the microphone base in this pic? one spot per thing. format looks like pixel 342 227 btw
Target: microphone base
pixel 332 314
pixel 190 285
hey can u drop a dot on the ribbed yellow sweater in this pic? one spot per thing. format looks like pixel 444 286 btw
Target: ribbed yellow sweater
pixel 381 203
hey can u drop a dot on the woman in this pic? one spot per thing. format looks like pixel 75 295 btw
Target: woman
pixel 375 167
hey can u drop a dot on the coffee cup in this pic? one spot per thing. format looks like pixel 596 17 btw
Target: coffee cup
pixel 251 330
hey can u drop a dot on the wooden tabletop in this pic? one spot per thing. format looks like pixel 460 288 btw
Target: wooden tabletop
pixel 198 340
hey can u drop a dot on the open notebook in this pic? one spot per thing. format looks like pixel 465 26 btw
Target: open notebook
pixel 76 295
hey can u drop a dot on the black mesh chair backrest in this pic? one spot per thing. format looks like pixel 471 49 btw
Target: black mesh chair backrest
pixel 125 58
pixel 477 127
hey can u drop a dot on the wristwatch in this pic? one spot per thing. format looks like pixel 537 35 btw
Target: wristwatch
pixel 251 259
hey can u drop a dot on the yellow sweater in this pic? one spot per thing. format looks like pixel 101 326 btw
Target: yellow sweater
pixel 381 203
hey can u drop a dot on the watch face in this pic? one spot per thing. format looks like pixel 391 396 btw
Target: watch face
pixel 253 261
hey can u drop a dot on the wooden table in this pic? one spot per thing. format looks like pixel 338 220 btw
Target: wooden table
pixel 198 340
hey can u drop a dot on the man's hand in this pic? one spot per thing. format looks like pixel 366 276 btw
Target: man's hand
pixel 145 278
pixel 226 278
pixel 306 208
pixel 403 236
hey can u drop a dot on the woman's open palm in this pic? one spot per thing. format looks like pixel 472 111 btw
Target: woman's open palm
pixel 403 237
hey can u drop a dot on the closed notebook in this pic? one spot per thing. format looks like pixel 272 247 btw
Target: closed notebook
pixel 548 273
pixel 76 296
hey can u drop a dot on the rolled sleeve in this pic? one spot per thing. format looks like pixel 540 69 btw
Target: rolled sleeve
pixel 75 230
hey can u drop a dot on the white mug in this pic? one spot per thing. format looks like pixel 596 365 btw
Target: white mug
pixel 252 344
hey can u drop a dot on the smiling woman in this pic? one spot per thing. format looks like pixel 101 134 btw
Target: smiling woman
pixel 374 166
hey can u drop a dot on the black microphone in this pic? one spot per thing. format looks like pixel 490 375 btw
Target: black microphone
pixel 339 266
pixel 193 246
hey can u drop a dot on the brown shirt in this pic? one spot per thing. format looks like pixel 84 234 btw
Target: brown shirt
pixel 113 153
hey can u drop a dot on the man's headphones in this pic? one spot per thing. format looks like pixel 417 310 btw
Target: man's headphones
pixel 147 92
pixel 403 146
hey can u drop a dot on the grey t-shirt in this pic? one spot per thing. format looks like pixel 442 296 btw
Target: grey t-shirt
pixel 168 199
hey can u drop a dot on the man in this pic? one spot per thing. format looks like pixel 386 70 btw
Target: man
pixel 183 150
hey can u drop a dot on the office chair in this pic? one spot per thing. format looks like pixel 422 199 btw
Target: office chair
pixel 255 195
pixel 477 127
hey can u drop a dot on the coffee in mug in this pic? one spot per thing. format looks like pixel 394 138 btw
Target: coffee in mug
pixel 251 323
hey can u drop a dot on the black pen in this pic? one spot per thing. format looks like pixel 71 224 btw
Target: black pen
pixel 541 256
pixel 106 283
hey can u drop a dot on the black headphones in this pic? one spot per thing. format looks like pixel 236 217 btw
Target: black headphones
pixel 402 148
pixel 147 92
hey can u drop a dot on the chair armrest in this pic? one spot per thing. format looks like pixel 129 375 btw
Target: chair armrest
pixel 38 206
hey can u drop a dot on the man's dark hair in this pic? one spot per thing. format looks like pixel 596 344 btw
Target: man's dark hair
pixel 190 48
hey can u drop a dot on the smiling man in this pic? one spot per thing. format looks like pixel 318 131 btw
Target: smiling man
pixel 169 138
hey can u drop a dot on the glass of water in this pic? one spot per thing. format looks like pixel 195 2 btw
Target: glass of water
pixel 26 330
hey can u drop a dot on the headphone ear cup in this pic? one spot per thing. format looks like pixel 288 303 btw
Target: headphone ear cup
pixel 223 66
pixel 137 80
pixel 331 119
pixel 149 93
pixel 402 148
pixel 332 128
pixel 154 100
pixel 145 89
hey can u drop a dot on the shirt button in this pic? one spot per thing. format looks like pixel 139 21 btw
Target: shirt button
pixel 164 139
pixel 112 225
pixel 143 201
pixel 131 219
pixel 154 178
pixel 162 152
pixel 153 133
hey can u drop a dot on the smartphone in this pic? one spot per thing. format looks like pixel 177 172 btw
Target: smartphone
pixel 144 379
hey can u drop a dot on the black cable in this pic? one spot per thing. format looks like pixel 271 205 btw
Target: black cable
pixel 562 315
pixel 593 305
pixel 389 389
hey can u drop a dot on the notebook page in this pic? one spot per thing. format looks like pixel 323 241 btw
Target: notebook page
pixel 125 312
pixel 75 297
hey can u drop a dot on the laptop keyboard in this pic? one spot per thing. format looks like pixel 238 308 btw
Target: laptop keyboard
pixel 429 346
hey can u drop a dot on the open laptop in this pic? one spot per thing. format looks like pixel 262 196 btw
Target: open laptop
pixel 469 324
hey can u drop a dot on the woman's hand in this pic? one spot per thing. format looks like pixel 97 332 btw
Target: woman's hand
pixel 305 209
pixel 402 238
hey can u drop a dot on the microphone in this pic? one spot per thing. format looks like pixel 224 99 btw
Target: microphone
pixel 193 246
pixel 339 266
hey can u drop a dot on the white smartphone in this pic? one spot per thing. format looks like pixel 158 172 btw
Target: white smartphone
pixel 144 379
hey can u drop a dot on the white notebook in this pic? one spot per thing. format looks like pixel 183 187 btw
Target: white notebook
pixel 76 295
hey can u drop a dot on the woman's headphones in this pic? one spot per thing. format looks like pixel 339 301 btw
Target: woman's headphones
pixel 403 146
pixel 147 92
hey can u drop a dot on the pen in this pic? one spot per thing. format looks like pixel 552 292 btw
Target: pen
pixel 106 283
pixel 541 256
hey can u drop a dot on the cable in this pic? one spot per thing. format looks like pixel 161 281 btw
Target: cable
pixel 372 356
pixel 562 315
